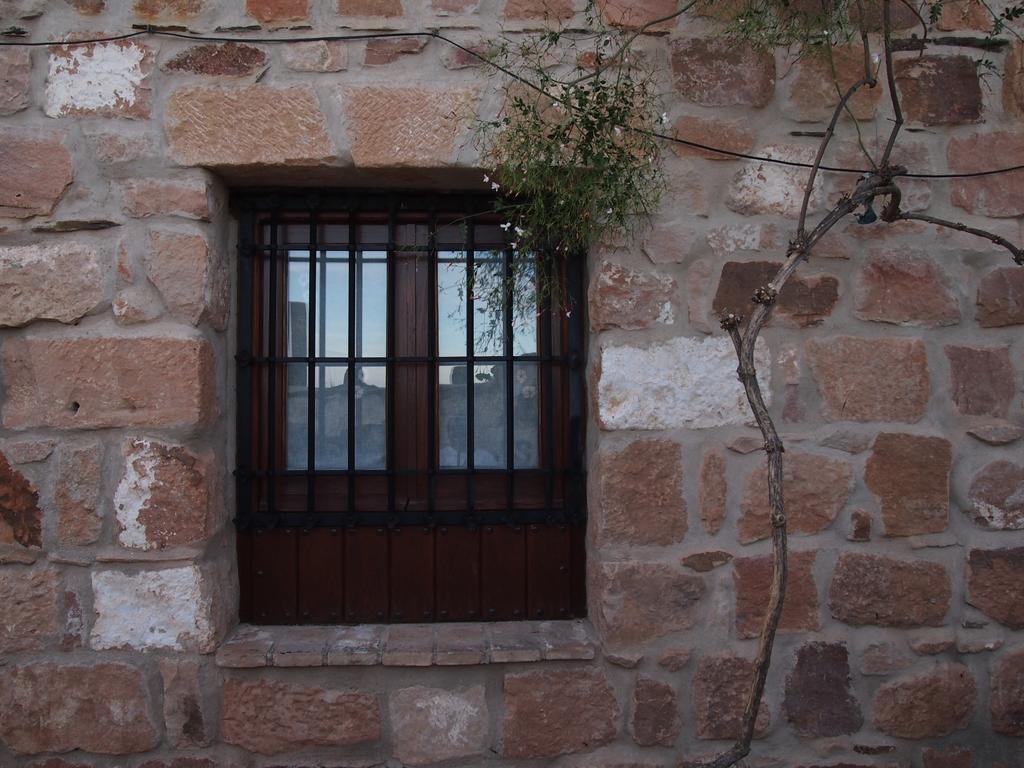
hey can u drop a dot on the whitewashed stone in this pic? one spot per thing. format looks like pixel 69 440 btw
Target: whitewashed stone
pixel 770 188
pixel 732 238
pixel 48 282
pixel 152 609
pixel 682 382
pixel 433 724
pixel 102 79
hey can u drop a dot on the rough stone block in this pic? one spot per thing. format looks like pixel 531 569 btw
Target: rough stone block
pixel 1001 195
pixel 99 80
pixel 997 496
pixel 715 73
pixel 90 382
pixel 887 592
pixel 905 287
pixel 104 708
pixel 910 473
pixel 270 716
pixel 30 600
pixel 641 494
pixel 433 724
pixel 682 382
pixel 37 170
pixel 720 687
pixel 939 90
pixel 49 282
pixel 818 701
pixel 550 713
pixel 1001 298
pixel 995 584
pixel 15 74
pixel 753 576
pixel 621 297
pixel 77 495
pixel 870 379
pixel 926 705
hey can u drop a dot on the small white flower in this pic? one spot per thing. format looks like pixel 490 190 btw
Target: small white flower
pixel 495 186
pixel 609 211
pixel 875 58
pixel 664 118
pixel 486 178
pixel 506 225
pixel 520 231
pixel 618 131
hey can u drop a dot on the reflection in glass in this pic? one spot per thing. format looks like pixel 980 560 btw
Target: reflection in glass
pixel 296 415
pixel 489 416
pixel 371 416
pixel 524 306
pixel 488 303
pixel 453 425
pixel 451 304
pixel 332 322
pixel 371 303
pixel 526 415
pixel 297 319
pixel 331 417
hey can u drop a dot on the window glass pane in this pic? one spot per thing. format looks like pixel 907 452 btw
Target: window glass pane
pixel 451 304
pixel 525 412
pixel 453 425
pixel 525 321
pixel 489 419
pixel 332 335
pixel 489 234
pixel 331 417
pixel 297 318
pixel 371 416
pixel 488 303
pixel 296 415
pixel 371 303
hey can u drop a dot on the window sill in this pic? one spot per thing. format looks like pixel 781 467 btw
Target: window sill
pixel 407 645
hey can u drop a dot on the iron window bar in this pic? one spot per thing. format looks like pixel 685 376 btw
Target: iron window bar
pixel 261 281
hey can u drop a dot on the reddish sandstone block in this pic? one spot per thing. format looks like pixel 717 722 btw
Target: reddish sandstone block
pixel 818 701
pixel 886 592
pixel 153 10
pixel 167 495
pixel 77 493
pixel 720 687
pixel 1007 701
pixel 715 73
pixel 228 59
pixel 270 716
pixel 621 297
pixel 995 584
pixel 1013 81
pixel 49 282
pixel 816 489
pixel 634 601
pixel 809 90
pixel 1000 195
pixel 636 14
pixel 405 127
pixel 870 379
pixel 315 56
pixel 96 382
pixel 30 600
pixel 964 15
pixel 104 708
pixel 190 275
pixel 905 287
pixel 252 125
pixel 157 197
pixel 266 11
pixel 910 473
pixel 997 496
pixel 712 493
pixel 382 8
pixel 804 300
pixel 550 713
pixel 1001 298
pixel 556 10
pixel 954 757
pixel 389 50
pixel 753 577
pixel 927 705
pixel 20 515
pixel 187 709
pixel 655 719
pixel 37 170
pixel 733 135
pixel 939 90
pixel 982 379
pixel 15 72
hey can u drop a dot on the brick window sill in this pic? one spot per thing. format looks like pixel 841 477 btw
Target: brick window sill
pixel 408 645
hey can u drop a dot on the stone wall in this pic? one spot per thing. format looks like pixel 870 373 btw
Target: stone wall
pixel 894 361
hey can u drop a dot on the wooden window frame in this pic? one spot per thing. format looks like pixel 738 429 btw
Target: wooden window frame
pixel 416 542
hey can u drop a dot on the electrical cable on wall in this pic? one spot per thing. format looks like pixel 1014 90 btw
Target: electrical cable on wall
pixel 158 32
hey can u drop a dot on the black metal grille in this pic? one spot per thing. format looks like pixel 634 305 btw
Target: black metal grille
pixel 284 356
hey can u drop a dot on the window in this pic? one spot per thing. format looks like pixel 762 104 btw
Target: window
pixel 409 444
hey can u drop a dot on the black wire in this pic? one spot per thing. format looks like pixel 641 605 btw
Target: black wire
pixel 151 30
